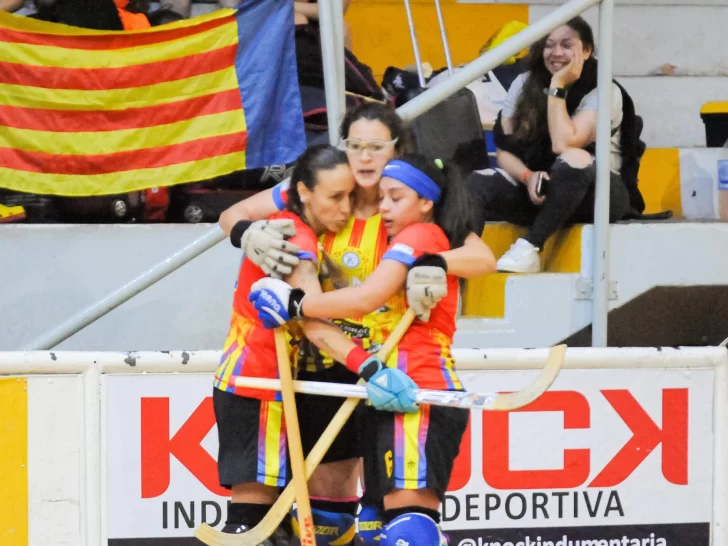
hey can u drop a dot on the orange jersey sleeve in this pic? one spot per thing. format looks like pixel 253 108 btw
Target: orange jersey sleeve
pixel 424 352
pixel 414 241
pixel 249 349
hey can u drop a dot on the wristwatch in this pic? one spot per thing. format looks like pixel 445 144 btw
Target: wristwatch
pixel 559 92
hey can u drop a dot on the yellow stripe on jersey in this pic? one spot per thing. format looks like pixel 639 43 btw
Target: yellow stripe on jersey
pixel 410 460
pixel 272 445
pixel 446 360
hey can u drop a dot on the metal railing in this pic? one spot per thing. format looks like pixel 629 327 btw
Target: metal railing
pixel 488 61
pixel 332 44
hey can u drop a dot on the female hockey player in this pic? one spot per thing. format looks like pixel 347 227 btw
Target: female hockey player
pixel 408 457
pixel 372 135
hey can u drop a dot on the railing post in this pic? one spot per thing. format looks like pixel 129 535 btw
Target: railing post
pixel 331 56
pixel 91 499
pixel 600 297
pixel 489 60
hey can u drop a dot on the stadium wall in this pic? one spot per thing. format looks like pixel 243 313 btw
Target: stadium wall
pixel 627 447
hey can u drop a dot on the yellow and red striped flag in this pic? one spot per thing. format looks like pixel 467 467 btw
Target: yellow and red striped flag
pixel 86 112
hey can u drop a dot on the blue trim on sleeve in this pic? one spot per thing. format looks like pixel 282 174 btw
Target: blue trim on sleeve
pixel 399 256
pixel 277 195
pixel 306 255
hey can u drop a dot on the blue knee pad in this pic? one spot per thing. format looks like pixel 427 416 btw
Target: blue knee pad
pixel 412 529
pixel 332 528
pixel 370 525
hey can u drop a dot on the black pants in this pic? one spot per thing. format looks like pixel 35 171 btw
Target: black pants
pixel 570 200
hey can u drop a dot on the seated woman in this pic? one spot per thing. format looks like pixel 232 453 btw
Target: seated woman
pixel 546 135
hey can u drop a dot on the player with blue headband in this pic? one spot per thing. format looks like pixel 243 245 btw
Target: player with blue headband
pixel 426 210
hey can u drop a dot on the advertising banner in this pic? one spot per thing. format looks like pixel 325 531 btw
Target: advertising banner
pixel 605 458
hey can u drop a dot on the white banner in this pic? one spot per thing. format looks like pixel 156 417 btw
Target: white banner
pixel 606 457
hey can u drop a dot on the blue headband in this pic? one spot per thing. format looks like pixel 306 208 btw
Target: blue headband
pixel 413 178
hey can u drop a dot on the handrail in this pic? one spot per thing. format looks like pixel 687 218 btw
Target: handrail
pixel 108 303
pixel 494 57
pixel 333 67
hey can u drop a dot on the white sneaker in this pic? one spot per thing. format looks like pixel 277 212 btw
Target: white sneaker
pixel 522 257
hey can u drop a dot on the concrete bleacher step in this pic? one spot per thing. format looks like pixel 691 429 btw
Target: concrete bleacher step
pixel 485 297
pixel 514 310
pixel 538 309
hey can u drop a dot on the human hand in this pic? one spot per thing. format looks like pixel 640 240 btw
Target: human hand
pixel 275 301
pixel 426 286
pixel 571 72
pixel 264 243
pixel 536 199
pixel 389 389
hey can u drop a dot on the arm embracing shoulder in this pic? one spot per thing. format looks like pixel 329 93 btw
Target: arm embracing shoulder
pixel 384 282
pixel 257 207
pixel 323 334
pixel 472 259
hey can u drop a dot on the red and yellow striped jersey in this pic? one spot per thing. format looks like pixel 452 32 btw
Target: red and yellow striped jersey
pixel 356 251
pixel 249 349
pixel 424 352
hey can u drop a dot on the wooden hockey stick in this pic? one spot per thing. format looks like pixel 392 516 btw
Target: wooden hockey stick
pixel 210 536
pixel 293 437
pixel 456 399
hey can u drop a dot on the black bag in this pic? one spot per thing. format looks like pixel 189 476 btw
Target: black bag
pixel 452 131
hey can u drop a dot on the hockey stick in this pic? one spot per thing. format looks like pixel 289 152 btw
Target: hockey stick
pixel 278 511
pixel 293 436
pixel 456 399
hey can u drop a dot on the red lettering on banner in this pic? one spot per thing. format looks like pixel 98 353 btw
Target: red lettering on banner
pixel 158 447
pixel 496 471
pixel 646 436
pixel 461 467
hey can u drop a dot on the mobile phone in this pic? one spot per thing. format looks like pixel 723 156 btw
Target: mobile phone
pixel 542 185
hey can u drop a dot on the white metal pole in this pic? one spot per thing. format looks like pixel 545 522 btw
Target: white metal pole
pixel 91 458
pixel 489 60
pixel 443 34
pixel 415 45
pixel 720 452
pixel 88 315
pixel 600 292
pixel 338 6
pixel 328 52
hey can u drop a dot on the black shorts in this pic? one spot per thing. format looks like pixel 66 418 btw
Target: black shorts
pixel 410 450
pixel 316 412
pixel 252 440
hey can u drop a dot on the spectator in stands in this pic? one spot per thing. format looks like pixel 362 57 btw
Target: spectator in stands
pixel 94 14
pixel 307 13
pixel 11 5
pixel 163 15
pixel 546 134
pixel 133 13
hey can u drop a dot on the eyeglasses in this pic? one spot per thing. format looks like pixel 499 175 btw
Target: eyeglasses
pixel 356 146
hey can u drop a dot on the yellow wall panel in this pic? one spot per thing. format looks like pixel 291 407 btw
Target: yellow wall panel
pixel 14 461
pixel 659 180
pixel 380 35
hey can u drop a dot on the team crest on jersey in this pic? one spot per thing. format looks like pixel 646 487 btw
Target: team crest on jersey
pixel 351 259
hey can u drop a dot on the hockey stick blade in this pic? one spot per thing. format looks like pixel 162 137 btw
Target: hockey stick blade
pixel 455 399
pixel 270 522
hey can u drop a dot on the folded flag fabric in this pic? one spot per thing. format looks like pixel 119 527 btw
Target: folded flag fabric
pixel 85 112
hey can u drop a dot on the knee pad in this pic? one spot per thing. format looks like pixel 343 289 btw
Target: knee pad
pixel 412 529
pixel 370 525
pixel 331 528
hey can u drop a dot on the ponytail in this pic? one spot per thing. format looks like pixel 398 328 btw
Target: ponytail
pixel 454 211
